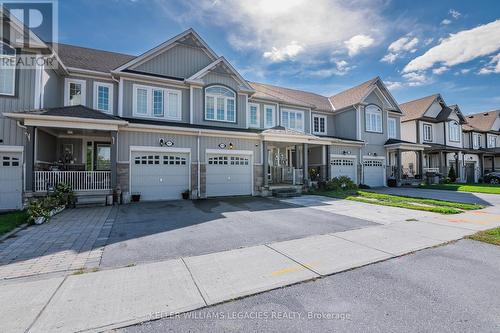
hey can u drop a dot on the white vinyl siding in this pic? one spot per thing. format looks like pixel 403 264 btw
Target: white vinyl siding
pixel 103 97
pixel 373 119
pixel 158 103
pixel 75 92
pixel 254 115
pixel 319 124
pixel 454 129
pixel 391 128
pixel 7 70
pixel 292 119
pixel 269 116
pixel 220 104
pixel 427 132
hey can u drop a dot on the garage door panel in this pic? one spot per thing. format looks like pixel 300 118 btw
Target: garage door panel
pixel 343 167
pixel 373 173
pixel 228 175
pixel 11 175
pixel 159 176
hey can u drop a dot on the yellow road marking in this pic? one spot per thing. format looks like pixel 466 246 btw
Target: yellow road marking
pixel 293 269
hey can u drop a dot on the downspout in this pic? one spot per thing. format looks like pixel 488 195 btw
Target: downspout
pixel 199 165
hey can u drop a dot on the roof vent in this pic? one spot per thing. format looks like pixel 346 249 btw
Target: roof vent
pixel 471 117
pixel 485 114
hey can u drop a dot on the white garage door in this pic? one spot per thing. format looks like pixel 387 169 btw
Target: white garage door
pixel 159 176
pixel 11 180
pixel 373 173
pixel 229 175
pixel 343 167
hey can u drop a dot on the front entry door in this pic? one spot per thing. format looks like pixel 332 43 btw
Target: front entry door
pixel 470 173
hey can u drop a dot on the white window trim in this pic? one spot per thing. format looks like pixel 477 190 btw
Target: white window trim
pixel 83 83
pixel 395 122
pixel 293 111
pixel 225 105
pixel 110 96
pixel 476 140
pixel 13 76
pixel 319 126
pixel 273 107
pixel 424 126
pixel 250 116
pixel 453 139
pixel 377 112
pixel 149 113
pixel 492 141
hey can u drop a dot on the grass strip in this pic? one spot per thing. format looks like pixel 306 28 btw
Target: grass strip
pixel 10 221
pixel 491 236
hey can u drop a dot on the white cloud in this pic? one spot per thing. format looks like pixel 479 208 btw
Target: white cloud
pixel 394 85
pixel 415 79
pixel 455 13
pixel 492 67
pixel 428 41
pixel 341 68
pixel 440 70
pixel 399 47
pixel 459 48
pixel 357 43
pixel 464 70
pixel 446 21
pixel 271 26
pixel 290 51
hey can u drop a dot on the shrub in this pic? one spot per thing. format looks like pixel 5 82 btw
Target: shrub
pixel 452 175
pixel 64 195
pixel 38 208
pixel 364 187
pixel 342 183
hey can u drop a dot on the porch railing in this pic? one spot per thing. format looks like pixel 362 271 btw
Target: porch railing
pixel 78 180
pixel 298 176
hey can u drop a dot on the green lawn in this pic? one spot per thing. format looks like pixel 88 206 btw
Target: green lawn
pixel 491 236
pixel 429 205
pixel 478 188
pixel 10 221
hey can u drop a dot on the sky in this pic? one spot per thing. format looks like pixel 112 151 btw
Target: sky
pixel 418 48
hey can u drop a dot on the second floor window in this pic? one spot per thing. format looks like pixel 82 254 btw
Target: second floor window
pixel 454 129
pixel 292 119
pixel 427 132
pixel 220 104
pixel 373 119
pixel 253 116
pixel 269 116
pixel 75 92
pixel 492 142
pixel 477 140
pixel 7 70
pixel 157 103
pixel 319 124
pixel 391 128
pixel 103 97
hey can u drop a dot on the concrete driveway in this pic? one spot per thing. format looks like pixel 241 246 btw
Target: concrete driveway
pixel 148 232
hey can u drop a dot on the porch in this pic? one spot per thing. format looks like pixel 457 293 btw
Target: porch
pixel 405 162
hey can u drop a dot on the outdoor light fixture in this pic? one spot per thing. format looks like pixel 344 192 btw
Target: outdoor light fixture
pixel 231 145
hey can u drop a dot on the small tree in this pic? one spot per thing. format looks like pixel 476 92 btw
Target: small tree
pixel 452 175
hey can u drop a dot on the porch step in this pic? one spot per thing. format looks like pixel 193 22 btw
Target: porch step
pixel 91 200
pixel 286 192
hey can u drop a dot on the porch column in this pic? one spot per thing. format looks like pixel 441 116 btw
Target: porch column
pixel 297 157
pixel 29 159
pixel 306 163
pixel 265 163
pixel 327 163
pixel 398 166
pixel 114 156
pixel 420 156
pixel 493 163
pixel 443 164
pixel 457 168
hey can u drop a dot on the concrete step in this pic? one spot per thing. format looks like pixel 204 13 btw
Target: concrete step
pixel 286 192
pixel 91 200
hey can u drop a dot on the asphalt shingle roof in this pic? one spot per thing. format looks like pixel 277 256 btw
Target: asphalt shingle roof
pixel 77 111
pixel 415 109
pixel 483 121
pixel 352 95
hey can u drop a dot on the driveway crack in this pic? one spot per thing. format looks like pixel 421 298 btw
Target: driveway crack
pixel 295 261
pixel 194 281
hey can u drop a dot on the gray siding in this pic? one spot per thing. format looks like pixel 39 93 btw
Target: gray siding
pixel 374 141
pixel 220 78
pixel 127 139
pixel 45 151
pixel 53 90
pixel 128 98
pixel 89 98
pixel 330 126
pixel 339 150
pixel 181 61
pixel 344 124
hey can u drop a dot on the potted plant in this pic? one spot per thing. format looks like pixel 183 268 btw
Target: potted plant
pixel 135 197
pixel 38 212
pixel 185 195
pixel 391 182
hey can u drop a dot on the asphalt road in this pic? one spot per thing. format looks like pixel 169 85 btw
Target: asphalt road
pixel 155 231
pixel 453 288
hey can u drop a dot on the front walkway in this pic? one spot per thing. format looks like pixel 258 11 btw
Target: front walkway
pixel 71 240
pixel 120 297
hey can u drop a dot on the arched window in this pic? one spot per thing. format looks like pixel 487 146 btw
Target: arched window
pixel 220 104
pixel 373 119
pixel 454 128
pixel 7 69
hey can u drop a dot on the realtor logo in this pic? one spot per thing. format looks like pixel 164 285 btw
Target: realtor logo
pixel 29 25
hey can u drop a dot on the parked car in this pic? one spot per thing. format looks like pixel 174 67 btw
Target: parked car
pixel 492 178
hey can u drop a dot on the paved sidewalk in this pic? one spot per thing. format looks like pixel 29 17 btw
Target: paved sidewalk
pixel 71 240
pixel 120 297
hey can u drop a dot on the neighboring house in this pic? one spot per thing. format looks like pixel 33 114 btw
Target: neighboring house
pixel 430 121
pixel 482 134
pixel 180 117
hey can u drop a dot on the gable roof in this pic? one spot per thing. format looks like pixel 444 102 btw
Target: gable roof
pixel 416 109
pixel 483 121
pixel 91 59
pixel 291 96
pixel 221 61
pixel 164 46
